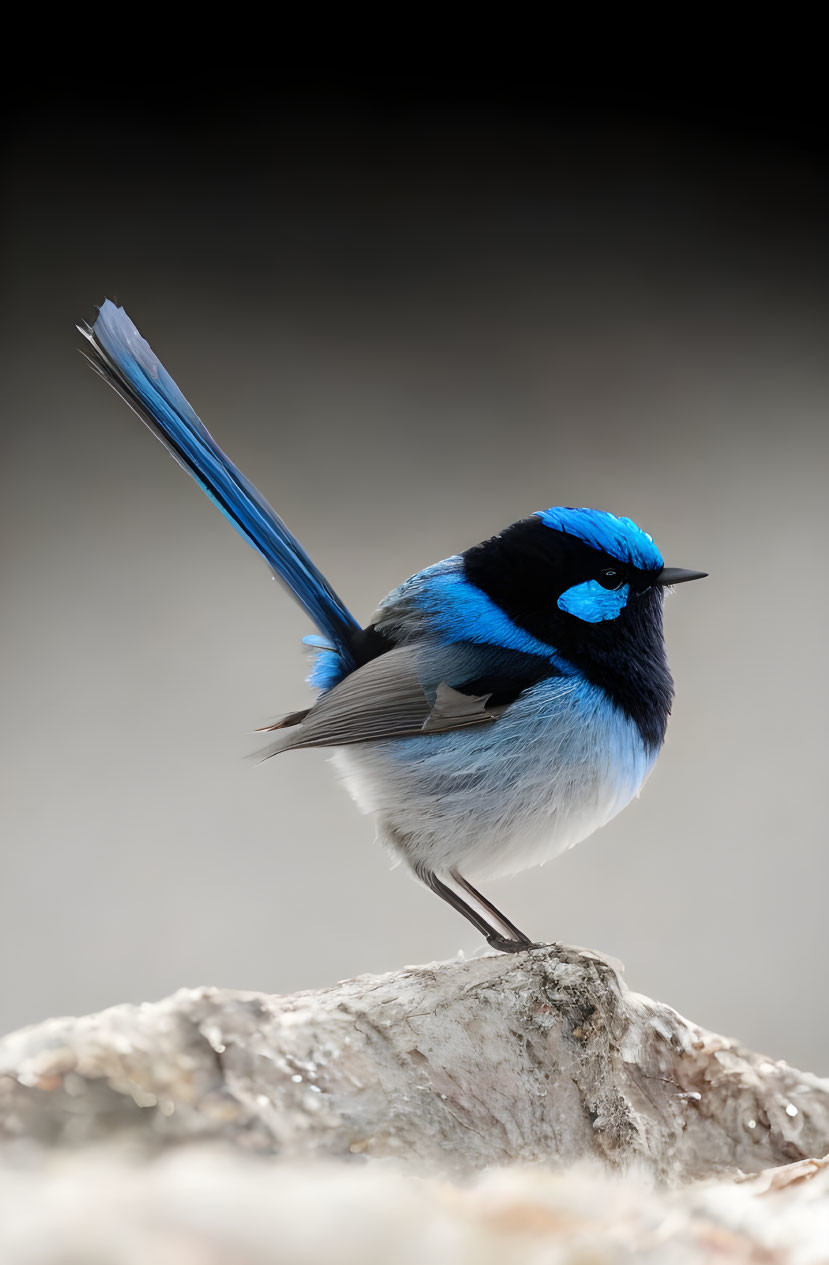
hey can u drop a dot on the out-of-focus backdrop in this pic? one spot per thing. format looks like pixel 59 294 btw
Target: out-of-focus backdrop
pixel 410 325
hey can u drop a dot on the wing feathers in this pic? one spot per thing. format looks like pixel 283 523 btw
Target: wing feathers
pixel 453 710
pixel 383 699
pixel 411 690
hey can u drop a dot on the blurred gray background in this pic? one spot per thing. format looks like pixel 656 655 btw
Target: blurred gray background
pixel 409 325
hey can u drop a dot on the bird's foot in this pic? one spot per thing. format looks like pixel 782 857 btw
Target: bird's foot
pixel 503 945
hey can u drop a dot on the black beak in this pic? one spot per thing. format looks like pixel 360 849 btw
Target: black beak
pixel 676 575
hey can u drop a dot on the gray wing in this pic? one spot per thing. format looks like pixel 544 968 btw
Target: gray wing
pixel 400 693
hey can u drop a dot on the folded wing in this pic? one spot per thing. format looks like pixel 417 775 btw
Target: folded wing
pixel 415 689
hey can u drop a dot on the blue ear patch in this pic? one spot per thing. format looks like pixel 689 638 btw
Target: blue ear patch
pixel 592 602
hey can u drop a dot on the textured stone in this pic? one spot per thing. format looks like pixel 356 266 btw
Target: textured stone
pixel 541 1056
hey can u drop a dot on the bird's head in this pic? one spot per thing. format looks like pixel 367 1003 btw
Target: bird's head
pixel 574 575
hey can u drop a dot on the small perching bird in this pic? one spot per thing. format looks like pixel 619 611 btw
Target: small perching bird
pixel 500 706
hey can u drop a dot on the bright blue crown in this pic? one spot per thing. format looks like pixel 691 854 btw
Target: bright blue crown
pixel 619 537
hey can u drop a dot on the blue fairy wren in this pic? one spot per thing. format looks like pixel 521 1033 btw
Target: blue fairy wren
pixel 500 706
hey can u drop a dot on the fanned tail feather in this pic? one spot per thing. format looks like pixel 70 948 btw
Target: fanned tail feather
pixel 126 361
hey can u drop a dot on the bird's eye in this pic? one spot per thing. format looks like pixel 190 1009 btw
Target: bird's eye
pixel 611 578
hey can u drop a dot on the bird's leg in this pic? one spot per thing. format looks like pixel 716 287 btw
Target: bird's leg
pixel 492 934
pixel 518 936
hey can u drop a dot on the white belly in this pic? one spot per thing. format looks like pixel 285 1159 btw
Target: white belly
pixel 496 799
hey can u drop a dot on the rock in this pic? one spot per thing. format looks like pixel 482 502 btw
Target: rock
pixel 541 1056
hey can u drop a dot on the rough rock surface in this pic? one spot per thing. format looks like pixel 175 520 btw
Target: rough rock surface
pixel 544 1056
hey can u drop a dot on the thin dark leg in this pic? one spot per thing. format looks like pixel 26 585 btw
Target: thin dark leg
pixel 490 933
pixel 473 891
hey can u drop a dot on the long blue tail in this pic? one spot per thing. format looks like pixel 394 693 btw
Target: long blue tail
pixel 123 358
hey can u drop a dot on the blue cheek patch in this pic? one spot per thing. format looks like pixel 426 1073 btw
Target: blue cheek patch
pixel 593 603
